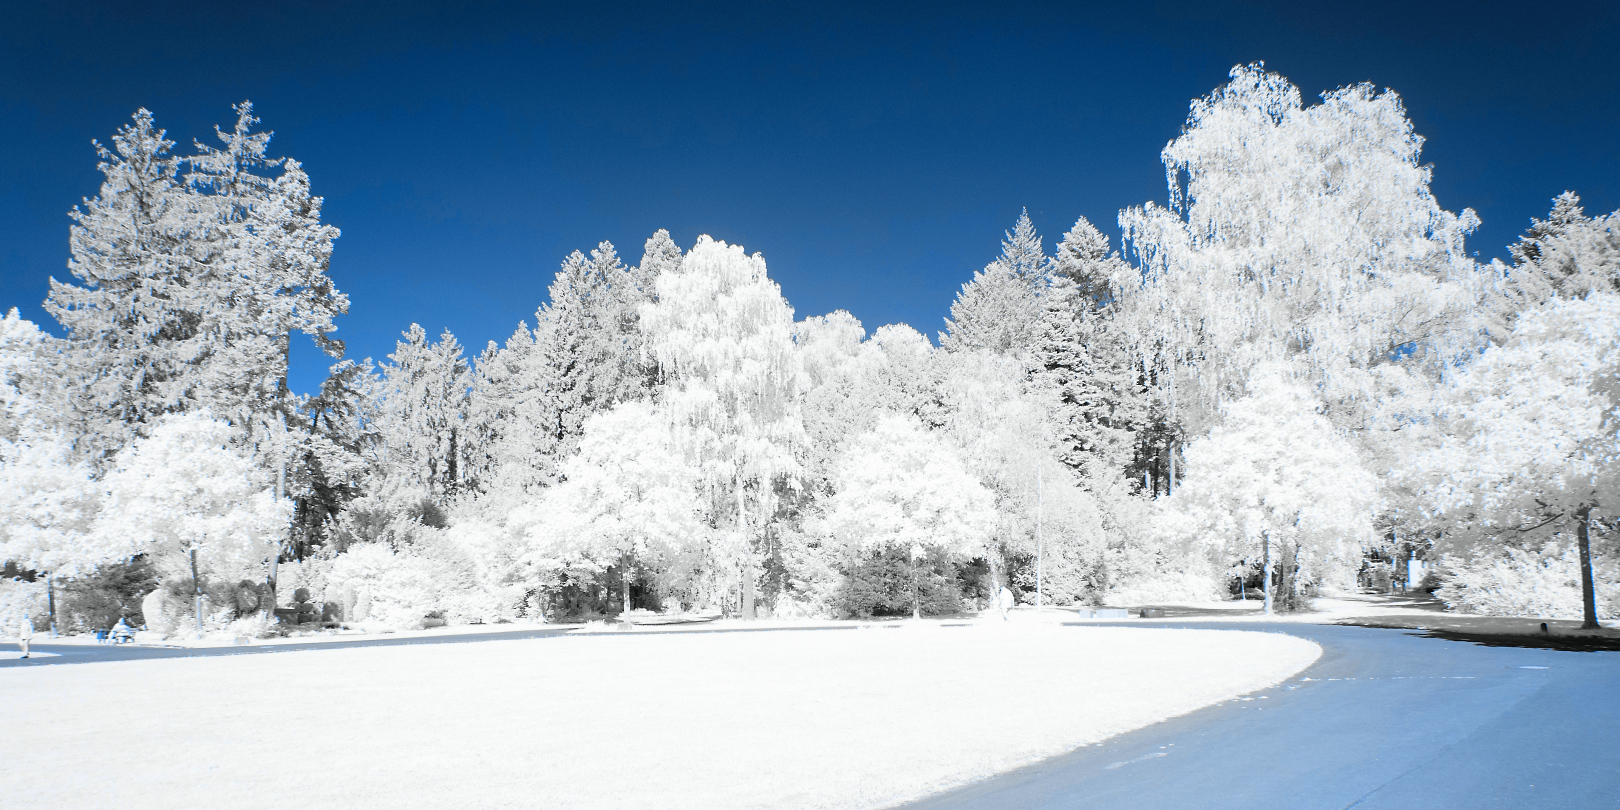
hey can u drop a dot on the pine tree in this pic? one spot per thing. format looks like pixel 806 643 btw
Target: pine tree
pixel 1084 363
pixel 588 343
pixel 193 284
pixel 1566 255
pixel 420 402
pixel 134 320
pixel 999 309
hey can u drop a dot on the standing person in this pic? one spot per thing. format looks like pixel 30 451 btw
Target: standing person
pixel 25 633
pixel 1004 601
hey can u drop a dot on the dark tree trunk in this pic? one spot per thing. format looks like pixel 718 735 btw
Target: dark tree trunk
pixel 1588 594
pixel 1265 552
pixel 916 602
pixel 196 590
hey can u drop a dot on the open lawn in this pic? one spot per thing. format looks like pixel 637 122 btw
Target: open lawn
pixel 800 719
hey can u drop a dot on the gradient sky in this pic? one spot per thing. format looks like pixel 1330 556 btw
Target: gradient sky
pixel 874 154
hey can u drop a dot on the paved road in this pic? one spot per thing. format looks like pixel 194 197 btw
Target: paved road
pixel 1387 719
pixel 96 653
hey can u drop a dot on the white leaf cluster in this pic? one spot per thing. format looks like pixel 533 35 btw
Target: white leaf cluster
pixel 1275 477
pixel 901 487
pixel 1306 234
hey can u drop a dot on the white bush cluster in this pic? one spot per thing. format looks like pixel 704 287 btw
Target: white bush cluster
pixel 1520 582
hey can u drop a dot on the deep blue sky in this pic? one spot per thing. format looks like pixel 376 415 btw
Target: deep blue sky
pixel 874 155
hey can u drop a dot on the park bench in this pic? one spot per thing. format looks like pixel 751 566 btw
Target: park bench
pixel 115 636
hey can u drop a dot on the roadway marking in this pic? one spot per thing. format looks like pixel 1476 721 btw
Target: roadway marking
pixel 1142 758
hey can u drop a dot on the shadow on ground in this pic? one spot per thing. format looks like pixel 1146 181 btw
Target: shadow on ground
pixel 1494 631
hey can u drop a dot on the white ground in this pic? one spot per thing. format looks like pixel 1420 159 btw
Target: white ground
pixel 820 718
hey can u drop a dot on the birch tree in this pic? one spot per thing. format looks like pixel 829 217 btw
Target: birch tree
pixel 722 337
pixel 1306 234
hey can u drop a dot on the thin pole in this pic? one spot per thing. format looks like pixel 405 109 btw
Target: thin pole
pixel 1040 540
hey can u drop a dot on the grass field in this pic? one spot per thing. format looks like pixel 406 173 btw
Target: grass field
pixel 795 719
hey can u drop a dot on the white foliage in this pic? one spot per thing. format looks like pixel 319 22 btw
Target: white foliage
pixel 1276 470
pixel 1520 582
pixel 1296 232
pixel 1511 454
pixel 901 487
pixel 48 507
pixel 722 337
pixel 999 310
pixel 185 488
pixel 627 493
pixel 419 406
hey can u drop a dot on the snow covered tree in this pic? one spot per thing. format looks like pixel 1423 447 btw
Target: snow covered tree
pixel 1276 480
pixel 419 402
pixel 722 337
pixel 267 253
pixel 48 505
pixel 829 348
pixel 1306 234
pixel 628 498
pixel 1566 255
pixel 191 285
pixel 188 498
pixel 1085 363
pixel 134 324
pixel 1526 450
pixel 590 341
pixel 900 487
pixel 999 309
pixel 30 368
pixel 896 368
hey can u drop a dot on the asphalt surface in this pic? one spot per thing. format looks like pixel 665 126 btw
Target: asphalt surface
pixel 98 653
pixel 1386 718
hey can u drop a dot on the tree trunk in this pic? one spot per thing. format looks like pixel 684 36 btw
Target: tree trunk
pixel 267 600
pixel 196 590
pixel 748 586
pixel 1588 595
pixel 1265 551
pixel 50 602
pixel 747 551
pixel 916 603
pixel 1285 580
pixel 624 578
pixel 849 594
pixel 1171 490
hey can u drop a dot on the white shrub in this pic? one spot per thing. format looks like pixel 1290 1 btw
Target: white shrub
pixel 1517 582
pixel 18 599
